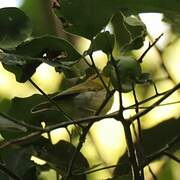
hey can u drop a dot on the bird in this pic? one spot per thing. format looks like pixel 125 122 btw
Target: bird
pixel 79 101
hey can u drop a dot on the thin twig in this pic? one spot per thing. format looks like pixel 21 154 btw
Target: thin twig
pixel 172 156
pixel 50 100
pixel 101 169
pixel 20 140
pixel 162 60
pixel 165 104
pixel 100 117
pixel 121 108
pixel 175 88
pixel 139 149
pixel 149 47
pixel 21 123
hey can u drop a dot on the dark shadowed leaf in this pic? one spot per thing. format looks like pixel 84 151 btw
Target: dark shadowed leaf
pixel 103 41
pixel 15 27
pixel 24 72
pixel 59 155
pixel 159 136
pixel 7 124
pixel 129 31
pixel 20 109
pixel 50 46
pixel 85 18
pixel 18 161
pixel 58 53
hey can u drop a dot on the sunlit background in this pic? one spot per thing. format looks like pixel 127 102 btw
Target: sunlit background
pixel 107 133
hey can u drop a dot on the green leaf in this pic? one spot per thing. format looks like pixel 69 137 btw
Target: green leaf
pixel 15 27
pixel 103 41
pixel 58 52
pixel 85 18
pixel 129 31
pixel 160 136
pixel 20 110
pixel 7 124
pixel 174 21
pixel 58 157
pixel 17 159
pixel 54 48
pixel 24 72
pixel 123 166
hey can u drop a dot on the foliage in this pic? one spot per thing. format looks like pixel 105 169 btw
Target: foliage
pixel 89 95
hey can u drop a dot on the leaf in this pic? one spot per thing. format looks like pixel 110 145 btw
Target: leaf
pixel 129 31
pixel 123 166
pixel 58 157
pixel 103 41
pixel 7 124
pixel 85 18
pixel 54 48
pixel 174 20
pixel 15 27
pixel 160 136
pixel 59 53
pixel 24 72
pixel 20 110
pixel 17 159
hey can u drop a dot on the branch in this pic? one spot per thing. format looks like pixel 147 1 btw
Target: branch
pixel 150 46
pixel 20 140
pixel 21 123
pixel 131 119
pixel 50 100
pixel 172 156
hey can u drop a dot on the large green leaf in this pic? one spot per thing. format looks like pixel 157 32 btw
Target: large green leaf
pixel 7 124
pixel 17 160
pixel 59 53
pixel 58 157
pixel 52 46
pixel 157 137
pixel 15 27
pixel 85 17
pixel 88 17
pixel 103 41
pixel 129 31
pixel 20 110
